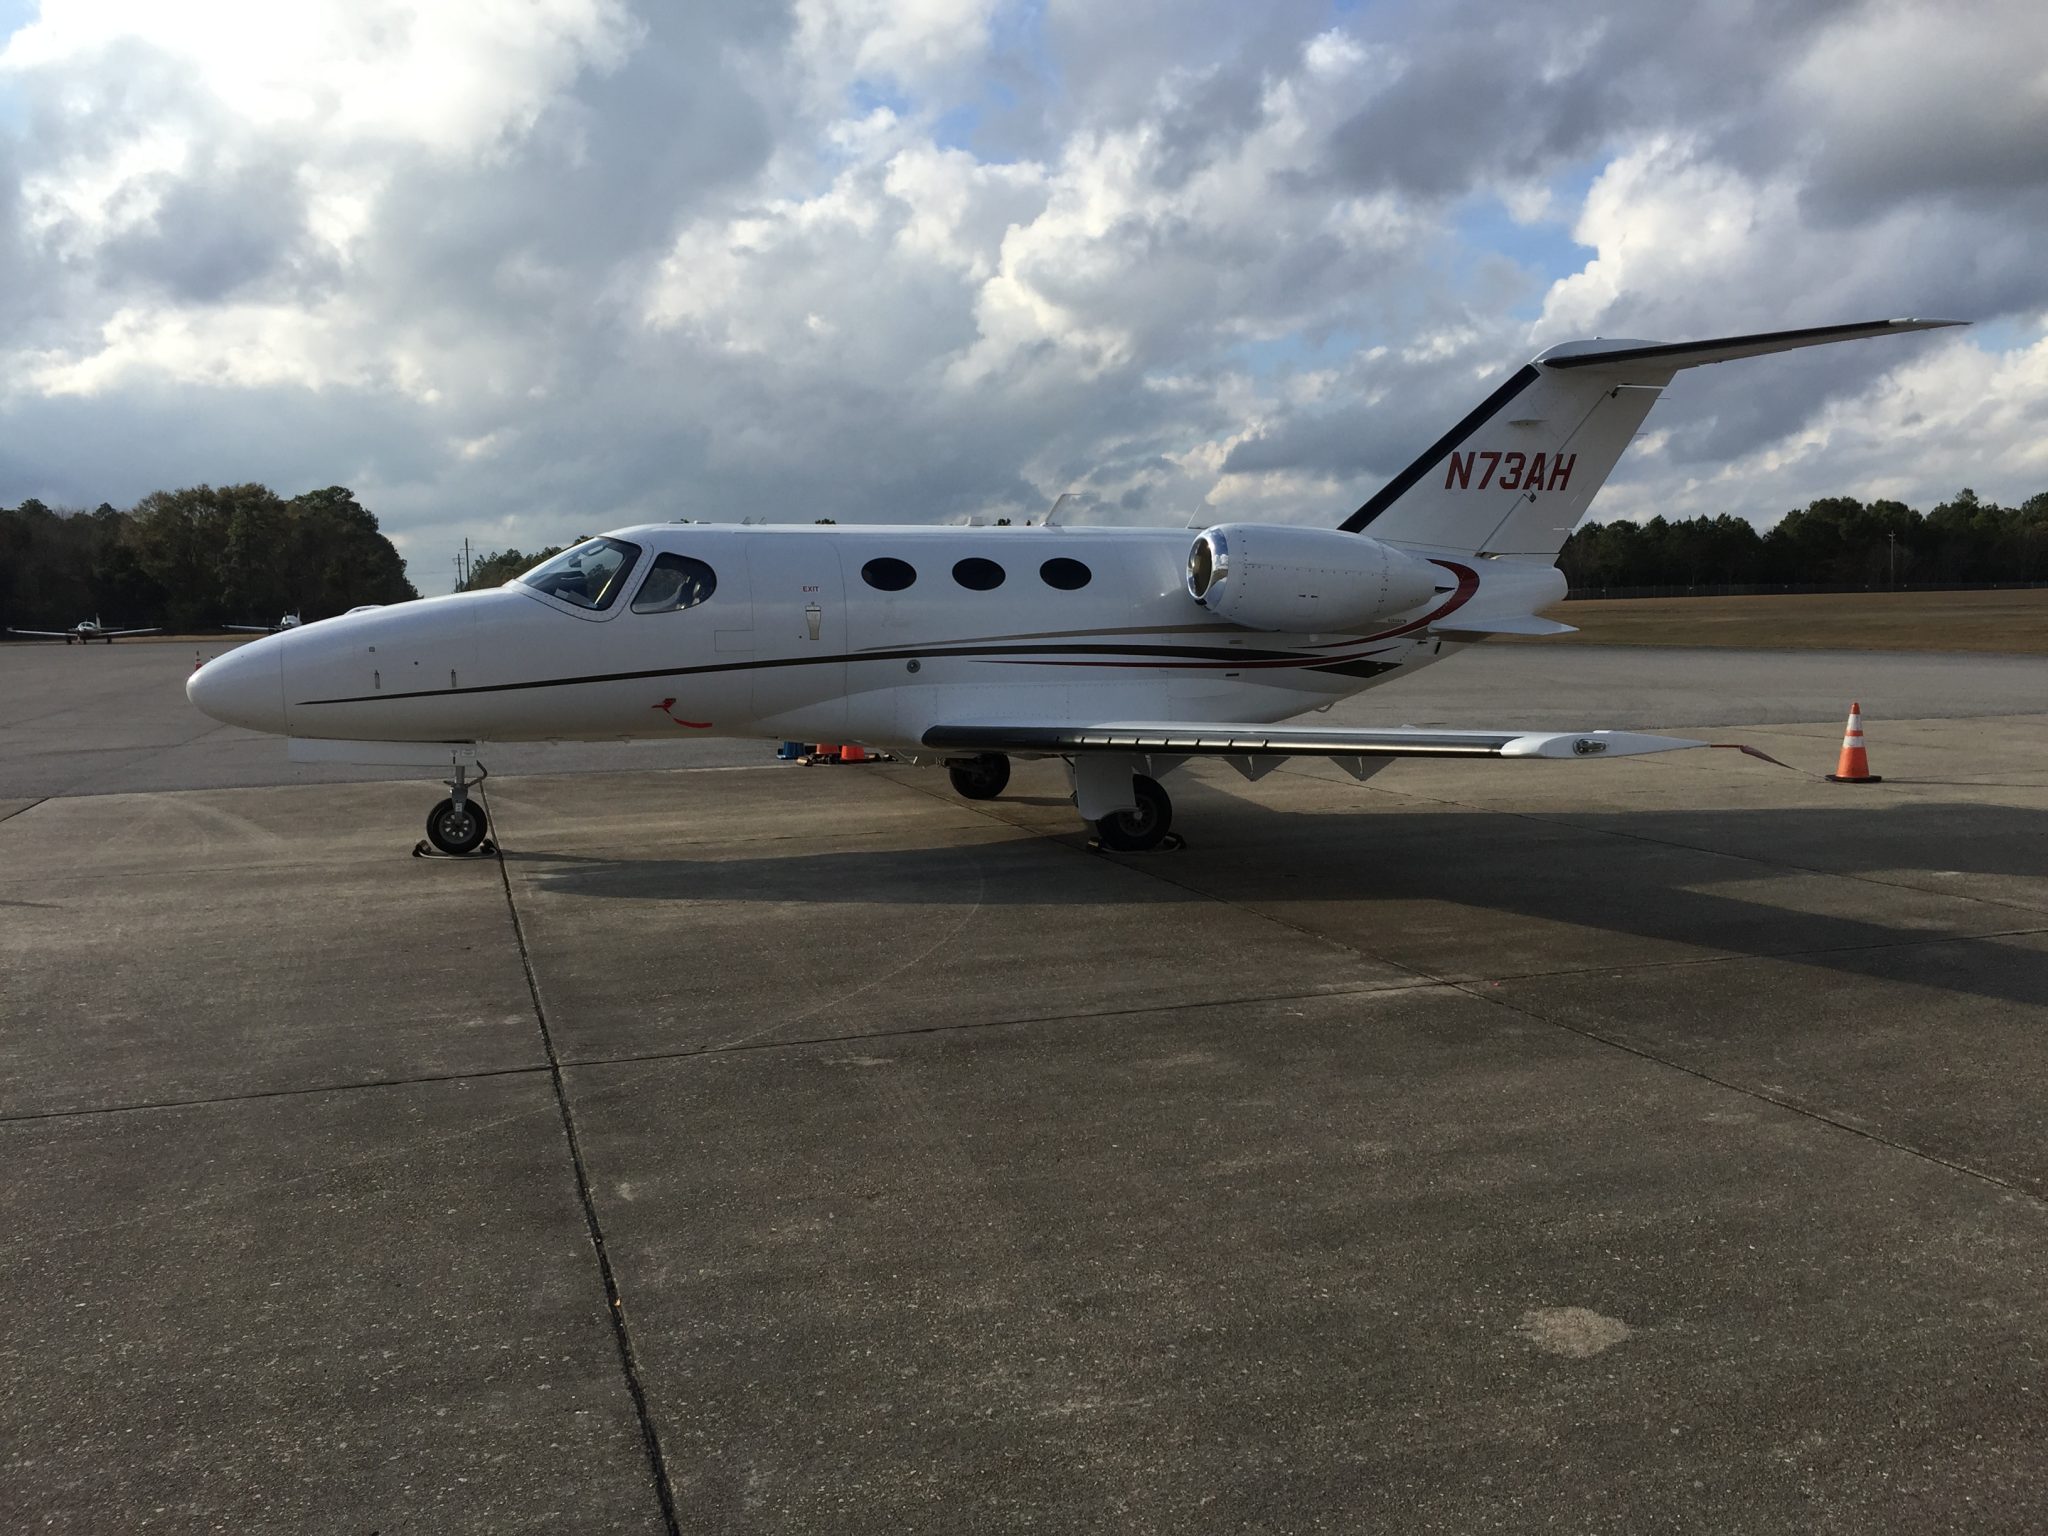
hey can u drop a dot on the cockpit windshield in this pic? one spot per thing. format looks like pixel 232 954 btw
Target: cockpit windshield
pixel 590 575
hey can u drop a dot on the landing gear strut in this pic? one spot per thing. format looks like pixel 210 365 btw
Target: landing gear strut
pixel 1140 830
pixel 981 777
pixel 457 825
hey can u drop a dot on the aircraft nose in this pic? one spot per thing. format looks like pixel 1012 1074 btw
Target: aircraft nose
pixel 245 687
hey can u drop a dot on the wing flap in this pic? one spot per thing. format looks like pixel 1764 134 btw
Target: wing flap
pixel 1250 740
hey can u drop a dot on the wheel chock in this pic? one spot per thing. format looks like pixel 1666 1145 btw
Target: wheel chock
pixel 487 849
pixel 1173 842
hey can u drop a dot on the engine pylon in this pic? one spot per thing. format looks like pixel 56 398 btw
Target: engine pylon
pixel 1854 765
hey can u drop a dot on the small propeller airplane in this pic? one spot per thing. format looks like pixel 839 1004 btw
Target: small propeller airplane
pixel 289 621
pixel 1125 651
pixel 84 632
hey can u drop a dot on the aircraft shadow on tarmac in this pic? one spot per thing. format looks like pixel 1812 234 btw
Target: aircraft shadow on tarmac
pixel 1390 882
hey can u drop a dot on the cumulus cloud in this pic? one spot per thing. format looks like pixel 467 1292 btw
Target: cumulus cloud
pixel 525 268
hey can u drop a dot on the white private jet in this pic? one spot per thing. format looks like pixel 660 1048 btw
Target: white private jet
pixel 289 621
pixel 1125 651
pixel 84 632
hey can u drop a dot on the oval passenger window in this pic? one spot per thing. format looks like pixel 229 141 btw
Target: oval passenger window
pixel 978 575
pixel 888 574
pixel 1067 575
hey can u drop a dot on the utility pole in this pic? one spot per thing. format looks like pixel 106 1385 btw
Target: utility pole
pixel 1895 561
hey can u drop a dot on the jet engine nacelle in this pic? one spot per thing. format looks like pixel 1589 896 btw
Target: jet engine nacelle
pixel 1304 580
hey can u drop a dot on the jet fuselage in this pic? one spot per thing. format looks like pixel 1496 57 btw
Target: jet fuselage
pixel 813 633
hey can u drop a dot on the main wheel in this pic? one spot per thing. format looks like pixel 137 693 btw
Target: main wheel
pixel 1143 829
pixel 981 777
pixel 456 828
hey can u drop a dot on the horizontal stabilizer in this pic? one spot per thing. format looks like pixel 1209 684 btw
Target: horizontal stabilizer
pixel 1199 739
pixel 1722 349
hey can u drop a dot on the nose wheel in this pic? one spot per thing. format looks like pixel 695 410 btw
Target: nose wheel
pixel 458 827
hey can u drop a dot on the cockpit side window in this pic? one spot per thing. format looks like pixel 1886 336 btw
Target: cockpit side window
pixel 590 575
pixel 672 582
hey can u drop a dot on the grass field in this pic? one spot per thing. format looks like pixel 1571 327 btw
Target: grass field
pixel 1828 621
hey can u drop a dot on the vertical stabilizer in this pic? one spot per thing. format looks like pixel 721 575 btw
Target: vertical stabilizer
pixel 1519 472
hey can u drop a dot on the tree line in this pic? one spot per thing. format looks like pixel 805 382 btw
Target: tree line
pixel 1835 541
pixel 494 570
pixel 196 558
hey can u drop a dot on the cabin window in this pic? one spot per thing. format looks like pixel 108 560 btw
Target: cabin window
pixel 590 575
pixel 885 573
pixel 1067 575
pixel 978 575
pixel 673 582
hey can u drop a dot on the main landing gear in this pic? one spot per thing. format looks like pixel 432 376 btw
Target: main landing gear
pixel 1117 794
pixel 1128 809
pixel 1143 828
pixel 981 777
pixel 457 826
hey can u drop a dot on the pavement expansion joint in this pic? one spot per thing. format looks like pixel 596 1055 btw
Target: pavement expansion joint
pixel 1760 1095
pixel 1488 995
pixel 912 1031
pixel 1905 941
pixel 615 1306
pixel 256 1094
pixel 22 810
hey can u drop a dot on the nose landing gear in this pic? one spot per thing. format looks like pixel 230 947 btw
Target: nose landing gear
pixel 457 827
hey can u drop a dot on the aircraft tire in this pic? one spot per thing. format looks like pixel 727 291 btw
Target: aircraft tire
pixel 454 829
pixel 1141 830
pixel 982 777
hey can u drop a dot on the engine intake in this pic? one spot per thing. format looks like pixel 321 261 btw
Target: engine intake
pixel 1304 580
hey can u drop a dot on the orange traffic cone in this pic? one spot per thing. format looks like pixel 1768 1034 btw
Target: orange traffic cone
pixel 196 662
pixel 1854 767
pixel 852 754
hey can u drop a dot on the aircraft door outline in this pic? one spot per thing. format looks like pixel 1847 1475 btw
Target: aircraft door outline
pixel 799 629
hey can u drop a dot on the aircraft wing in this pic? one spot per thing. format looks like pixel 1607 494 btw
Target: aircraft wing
pixel 115 634
pixel 44 634
pixel 1210 739
pixel 251 629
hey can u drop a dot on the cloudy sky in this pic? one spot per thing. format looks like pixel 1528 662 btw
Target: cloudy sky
pixel 519 269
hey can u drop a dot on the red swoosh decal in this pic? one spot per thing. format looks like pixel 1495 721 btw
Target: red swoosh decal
pixel 667 707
